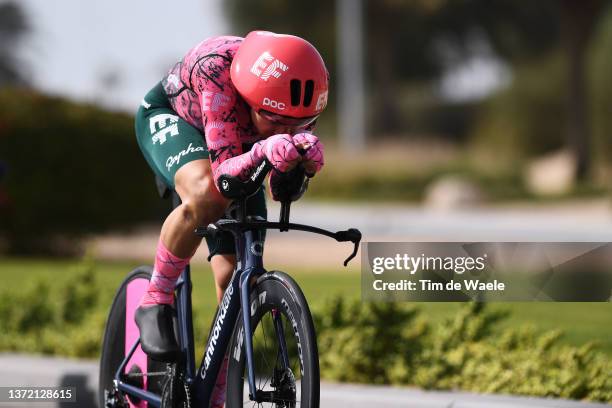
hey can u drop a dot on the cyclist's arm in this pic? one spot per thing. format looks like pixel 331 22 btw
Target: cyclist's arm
pixel 217 100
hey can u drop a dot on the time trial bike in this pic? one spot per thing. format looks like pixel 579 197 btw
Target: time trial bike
pixel 274 364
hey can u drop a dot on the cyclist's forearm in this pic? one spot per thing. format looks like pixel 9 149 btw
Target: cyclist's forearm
pixel 241 166
pixel 238 166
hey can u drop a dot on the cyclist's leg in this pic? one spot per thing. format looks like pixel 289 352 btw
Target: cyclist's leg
pixel 201 204
pixel 223 264
pixel 224 260
pixel 176 152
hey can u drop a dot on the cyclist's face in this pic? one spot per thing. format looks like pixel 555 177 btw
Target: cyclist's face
pixel 267 128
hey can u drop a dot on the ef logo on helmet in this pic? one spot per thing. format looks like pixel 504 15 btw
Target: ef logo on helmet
pixel 273 104
pixel 266 66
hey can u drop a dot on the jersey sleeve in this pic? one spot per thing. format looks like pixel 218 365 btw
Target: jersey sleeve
pixel 211 80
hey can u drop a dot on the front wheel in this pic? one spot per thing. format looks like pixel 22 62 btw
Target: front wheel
pixel 285 352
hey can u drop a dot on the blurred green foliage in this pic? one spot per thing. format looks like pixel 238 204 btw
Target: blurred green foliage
pixel 394 182
pixel 384 343
pixel 405 185
pixel 529 117
pixel 600 87
pixel 71 169
pixel 65 320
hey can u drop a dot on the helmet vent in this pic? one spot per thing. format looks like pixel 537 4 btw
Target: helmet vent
pixel 308 92
pixel 296 92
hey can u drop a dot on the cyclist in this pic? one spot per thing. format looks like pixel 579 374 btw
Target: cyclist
pixel 230 103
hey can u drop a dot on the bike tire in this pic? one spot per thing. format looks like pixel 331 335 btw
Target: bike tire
pixel 272 293
pixel 119 335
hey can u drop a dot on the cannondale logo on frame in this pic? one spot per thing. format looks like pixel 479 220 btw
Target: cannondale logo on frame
pixel 266 66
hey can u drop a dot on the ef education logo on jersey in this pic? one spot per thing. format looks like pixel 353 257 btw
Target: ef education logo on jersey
pixel 162 126
pixel 214 101
pixel 266 66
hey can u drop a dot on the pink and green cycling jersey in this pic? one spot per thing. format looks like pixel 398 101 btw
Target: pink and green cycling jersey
pixel 200 90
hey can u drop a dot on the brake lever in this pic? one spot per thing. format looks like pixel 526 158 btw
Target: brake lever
pixel 351 256
pixel 353 235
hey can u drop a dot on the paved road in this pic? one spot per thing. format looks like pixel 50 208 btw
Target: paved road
pixel 20 370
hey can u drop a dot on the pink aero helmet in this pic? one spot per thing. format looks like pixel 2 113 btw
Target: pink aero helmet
pixel 281 74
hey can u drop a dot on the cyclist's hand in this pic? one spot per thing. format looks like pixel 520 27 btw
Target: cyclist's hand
pixel 281 152
pixel 288 186
pixel 312 160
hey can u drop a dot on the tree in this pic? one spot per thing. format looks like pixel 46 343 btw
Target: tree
pixel 13 27
pixel 579 18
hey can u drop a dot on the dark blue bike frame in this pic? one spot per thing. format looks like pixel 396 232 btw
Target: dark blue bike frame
pixel 236 298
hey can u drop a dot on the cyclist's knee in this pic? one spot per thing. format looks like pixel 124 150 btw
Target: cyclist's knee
pixel 204 204
pixel 201 201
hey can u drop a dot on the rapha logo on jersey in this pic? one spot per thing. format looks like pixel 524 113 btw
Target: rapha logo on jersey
pixel 273 104
pixel 321 101
pixel 172 160
pixel 266 66
pixel 163 125
pixel 214 101
pixel 212 341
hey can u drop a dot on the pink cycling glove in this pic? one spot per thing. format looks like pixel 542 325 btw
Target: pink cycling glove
pixel 314 151
pixel 278 149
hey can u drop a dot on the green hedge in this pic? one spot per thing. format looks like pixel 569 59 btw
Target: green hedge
pixel 70 169
pixel 65 320
pixel 390 343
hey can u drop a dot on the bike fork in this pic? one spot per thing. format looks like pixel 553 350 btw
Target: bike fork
pixel 280 337
pixel 245 295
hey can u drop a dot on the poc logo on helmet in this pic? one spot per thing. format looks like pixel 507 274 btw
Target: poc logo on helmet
pixel 273 104
pixel 266 66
